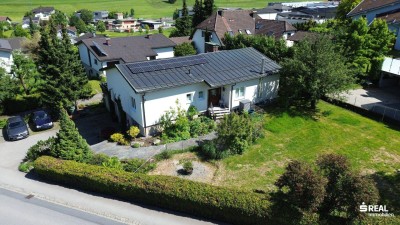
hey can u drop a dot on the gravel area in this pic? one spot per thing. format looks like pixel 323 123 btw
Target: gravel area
pixel 112 149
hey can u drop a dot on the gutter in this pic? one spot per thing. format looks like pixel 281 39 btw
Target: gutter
pixel 144 115
pixel 231 105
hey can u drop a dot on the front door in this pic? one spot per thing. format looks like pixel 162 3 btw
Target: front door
pixel 214 95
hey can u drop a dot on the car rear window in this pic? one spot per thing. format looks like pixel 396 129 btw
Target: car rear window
pixel 15 124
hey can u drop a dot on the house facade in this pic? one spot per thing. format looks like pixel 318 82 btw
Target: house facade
pixel 7 46
pixel 43 13
pixel 98 53
pixel 388 10
pixel 146 90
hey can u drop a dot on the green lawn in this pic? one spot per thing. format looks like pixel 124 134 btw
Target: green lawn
pixel 95 84
pixel 370 146
pixel 15 9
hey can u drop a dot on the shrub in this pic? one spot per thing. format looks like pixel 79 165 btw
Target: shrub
pixel 192 112
pixel 25 167
pixel 175 130
pixel 188 167
pixel 137 165
pixel 3 122
pixel 116 137
pixel 163 155
pixel 113 162
pixel 99 159
pixel 22 104
pixel 302 187
pixel 133 132
pixel 39 149
pixel 209 150
pixel 201 126
pixel 229 205
pixel 136 145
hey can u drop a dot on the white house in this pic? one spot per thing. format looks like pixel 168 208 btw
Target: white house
pixel 146 90
pixel 98 53
pixel 43 13
pixel 267 13
pixel 7 46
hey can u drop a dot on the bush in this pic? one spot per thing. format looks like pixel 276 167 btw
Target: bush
pixel 137 165
pixel 25 167
pixel 39 149
pixel 133 132
pixel 163 155
pixel 201 126
pixel 229 205
pixel 188 167
pixel 135 145
pixel 192 112
pixel 175 130
pixel 209 150
pixel 99 159
pixel 22 104
pixel 3 122
pixel 113 162
pixel 119 138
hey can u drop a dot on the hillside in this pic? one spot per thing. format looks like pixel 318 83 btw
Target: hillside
pixel 15 9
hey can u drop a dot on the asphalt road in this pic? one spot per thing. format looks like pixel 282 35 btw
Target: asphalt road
pixel 12 153
pixel 16 208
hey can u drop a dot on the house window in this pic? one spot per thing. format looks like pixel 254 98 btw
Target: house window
pixel 239 92
pixel 201 95
pixel 152 57
pixel 95 61
pixel 189 98
pixel 133 101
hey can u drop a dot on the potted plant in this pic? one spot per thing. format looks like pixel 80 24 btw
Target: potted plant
pixel 188 167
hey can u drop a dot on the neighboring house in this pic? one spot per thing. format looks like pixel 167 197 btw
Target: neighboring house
pixel 99 53
pixel 5 19
pixel 390 75
pixel 210 33
pixel 7 46
pixel 383 9
pixel 190 12
pixel 267 13
pixel 26 22
pixel 299 36
pixel 43 13
pixel 153 25
pixel 88 36
pixel 294 17
pixel 146 90
pixel 126 24
pixel 71 31
pixel 279 7
pixel 100 15
pixel 274 28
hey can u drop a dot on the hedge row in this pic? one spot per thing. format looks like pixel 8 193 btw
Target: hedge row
pixel 223 204
pixel 22 104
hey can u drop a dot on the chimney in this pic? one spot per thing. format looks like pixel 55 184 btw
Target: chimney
pixel 262 66
pixel 108 41
pixel 215 48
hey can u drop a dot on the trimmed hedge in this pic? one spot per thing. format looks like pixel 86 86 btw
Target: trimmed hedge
pixel 22 104
pixel 223 204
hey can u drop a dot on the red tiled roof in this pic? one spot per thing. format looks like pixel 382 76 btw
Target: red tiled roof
pixel 181 40
pixel 390 17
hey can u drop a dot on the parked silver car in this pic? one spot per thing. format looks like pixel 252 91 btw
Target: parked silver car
pixel 16 128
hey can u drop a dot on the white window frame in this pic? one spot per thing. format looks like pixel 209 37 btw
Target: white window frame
pixel 240 92
pixel 189 98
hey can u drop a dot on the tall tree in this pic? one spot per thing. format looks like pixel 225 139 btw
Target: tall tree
pixel 81 26
pixel 198 15
pixel 61 69
pixel 101 27
pixel 208 8
pixel 8 88
pixel 24 69
pixel 185 11
pixel 86 16
pixel 19 31
pixel 345 6
pixel 33 28
pixel 316 69
pixel 69 144
pixel 132 14
pixel 183 25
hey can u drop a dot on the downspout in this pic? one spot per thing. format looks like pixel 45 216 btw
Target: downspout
pixel 231 105
pixel 144 115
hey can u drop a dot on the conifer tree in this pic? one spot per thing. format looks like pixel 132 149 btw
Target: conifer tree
pixel 69 144
pixel 198 15
pixel 62 72
pixel 208 8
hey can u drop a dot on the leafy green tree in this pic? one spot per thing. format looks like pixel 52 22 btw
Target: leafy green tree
pixel 160 30
pixel 64 78
pixel 69 144
pixel 90 28
pixel 147 29
pixel 73 20
pixel 33 28
pixel 101 27
pixel 184 49
pixel 4 26
pixel 301 187
pixel 60 18
pixel 86 16
pixel 81 26
pixel 8 88
pixel 198 15
pixel 317 69
pixel 345 6
pixel 183 25
pixel 24 69
pixel 19 31
pixel 132 14
pixel 140 30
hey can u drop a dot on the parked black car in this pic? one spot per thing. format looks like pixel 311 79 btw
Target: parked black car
pixel 16 128
pixel 40 120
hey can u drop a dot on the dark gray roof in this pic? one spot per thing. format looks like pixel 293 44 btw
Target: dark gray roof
pixel 215 69
pixel 11 44
pixel 266 10
pixel 127 49
pixel 43 10
pixel 88 36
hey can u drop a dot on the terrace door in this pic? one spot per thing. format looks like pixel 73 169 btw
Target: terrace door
pixel 214 95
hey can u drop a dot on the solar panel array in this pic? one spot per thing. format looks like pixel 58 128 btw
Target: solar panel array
pixel 100 48
pixel 150 66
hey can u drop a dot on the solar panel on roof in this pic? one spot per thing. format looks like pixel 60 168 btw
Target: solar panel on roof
pixel 100 48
